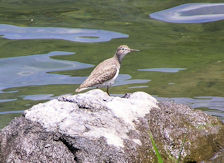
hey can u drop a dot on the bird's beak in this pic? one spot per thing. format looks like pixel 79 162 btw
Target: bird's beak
pixel 134 50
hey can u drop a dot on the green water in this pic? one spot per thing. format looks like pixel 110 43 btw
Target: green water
pixel 196 47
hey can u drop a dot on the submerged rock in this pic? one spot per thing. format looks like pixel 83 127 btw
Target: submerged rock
pixel 94 127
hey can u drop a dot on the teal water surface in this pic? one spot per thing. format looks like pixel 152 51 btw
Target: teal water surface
pixel 48 48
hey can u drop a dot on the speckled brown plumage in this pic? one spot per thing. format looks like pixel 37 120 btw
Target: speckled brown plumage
pixel 107 71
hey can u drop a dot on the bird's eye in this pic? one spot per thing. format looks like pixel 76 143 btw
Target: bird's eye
pixel 122 49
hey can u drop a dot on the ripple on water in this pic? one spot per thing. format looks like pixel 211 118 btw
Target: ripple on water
pixel 209 104
pixel 34 70
pixel 137 87
pixel 70 34
pixel 191 13
pixel 125 79
pixel 166 70
pixel 39 97
pixel 7 100
pixel 12 112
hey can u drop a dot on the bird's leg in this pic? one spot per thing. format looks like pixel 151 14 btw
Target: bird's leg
pixel 108 90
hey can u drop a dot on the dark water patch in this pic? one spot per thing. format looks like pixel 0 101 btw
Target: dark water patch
pixel 70 34
pixel 34 70
pixel 191 13
pixel 166 70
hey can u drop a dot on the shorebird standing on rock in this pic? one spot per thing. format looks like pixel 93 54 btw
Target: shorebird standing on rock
pixel 107 71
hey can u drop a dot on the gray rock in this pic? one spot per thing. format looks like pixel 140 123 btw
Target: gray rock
pixel 25 141
pixel 94 127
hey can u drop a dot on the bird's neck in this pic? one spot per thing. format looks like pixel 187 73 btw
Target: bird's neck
pixel 118 58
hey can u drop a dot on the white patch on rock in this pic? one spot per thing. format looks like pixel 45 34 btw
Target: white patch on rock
pixel 94 114
pixel 137 105
pixel 51 113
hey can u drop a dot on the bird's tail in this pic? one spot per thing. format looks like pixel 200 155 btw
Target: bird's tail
pixel 80 89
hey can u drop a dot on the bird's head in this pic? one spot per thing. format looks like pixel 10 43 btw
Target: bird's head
pixel 122 51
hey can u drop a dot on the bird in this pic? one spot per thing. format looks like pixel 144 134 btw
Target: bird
pixel 106 72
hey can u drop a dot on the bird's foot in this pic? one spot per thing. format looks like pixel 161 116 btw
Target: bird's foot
pixel 126 95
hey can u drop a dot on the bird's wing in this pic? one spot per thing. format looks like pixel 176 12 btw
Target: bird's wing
pixel 102 73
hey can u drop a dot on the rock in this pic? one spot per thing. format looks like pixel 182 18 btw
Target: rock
pixel 25 141
pixel 173 123
pixel 94 127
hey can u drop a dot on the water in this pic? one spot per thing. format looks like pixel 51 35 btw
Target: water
pixel 167 70
pixel 48 48
pixel 192 13
pixel 35 70
pixel 70 34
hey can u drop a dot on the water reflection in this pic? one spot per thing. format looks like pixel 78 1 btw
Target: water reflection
pixel 137 87
pixel 70 34
pixel 12 112
pixel 7 100
pixel 209 104
pixel 34 70
pixel 166 70
pixel 39 97
pixel 203 102
pixel 191 13
pixel 125 79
